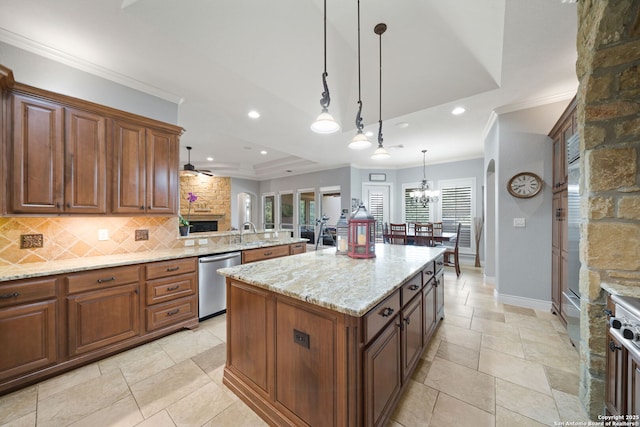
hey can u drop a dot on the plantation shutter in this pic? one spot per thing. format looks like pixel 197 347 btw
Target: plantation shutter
pixel 455 202
pixel 414 212
pixel 375 208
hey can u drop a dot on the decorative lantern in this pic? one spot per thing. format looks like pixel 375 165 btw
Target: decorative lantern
pixel 362 234
pixel 342 234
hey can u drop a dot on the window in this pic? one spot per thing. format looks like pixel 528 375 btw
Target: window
pixel 415 212
pixel 286 211
pixel 456 206
pixel 269 209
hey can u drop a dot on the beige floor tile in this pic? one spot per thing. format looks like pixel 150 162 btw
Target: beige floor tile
pixel 554 355
pixel 200 406
pixel 507 418
pixel 123 413
pixel 238 415
pixel 455 320
pixel 186 344
pixel 514 369
pixel 468 385
pixel 82 400
pixel 422 369
pixel 461 336
pixel 217 326
pixel 541 336
pixel 458 354
pixel 67 380
pixel 211 359
pixel 167 387
pixel 28 420
pixel 488 314
pixel 492 327
pixel 564 381
pixel 569 407
pixel 488 303
pixel 416 405
pixel 529 323
pixel 161 419
pixel 450 411
pixel 458 310
pixel 509 344
pixel 432 347
pixel 524 401
pixel 139 363
pixel 520 310
pixel 18 404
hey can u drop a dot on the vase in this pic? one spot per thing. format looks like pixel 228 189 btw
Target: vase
pixel 184 230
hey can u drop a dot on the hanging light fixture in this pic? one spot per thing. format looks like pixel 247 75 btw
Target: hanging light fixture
pixel 359 141
pixel 424 195
pixel 380 153
pixel 325 122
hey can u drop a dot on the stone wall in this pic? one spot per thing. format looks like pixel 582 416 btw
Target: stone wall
pixel 609 124
pixel 214 199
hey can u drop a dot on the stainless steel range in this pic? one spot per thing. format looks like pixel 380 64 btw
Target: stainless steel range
pixel 625 324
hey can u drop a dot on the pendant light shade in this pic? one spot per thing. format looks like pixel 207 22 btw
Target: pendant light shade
pixel 359 141
pixel 381 153
pixel 325 122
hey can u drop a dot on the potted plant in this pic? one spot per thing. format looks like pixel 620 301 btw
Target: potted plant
pixel 184 226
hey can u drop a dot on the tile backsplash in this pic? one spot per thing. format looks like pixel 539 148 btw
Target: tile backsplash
pixel 76 237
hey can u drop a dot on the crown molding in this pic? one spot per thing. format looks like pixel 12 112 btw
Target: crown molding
pixel 48 52
pixel 536 102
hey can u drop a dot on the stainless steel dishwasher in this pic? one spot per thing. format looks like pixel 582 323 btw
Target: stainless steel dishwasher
pixel 212 286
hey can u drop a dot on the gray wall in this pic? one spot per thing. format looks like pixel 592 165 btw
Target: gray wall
pixel 239 185
pixel 43 73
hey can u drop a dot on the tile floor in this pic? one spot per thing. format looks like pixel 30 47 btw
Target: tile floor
pixel 489 364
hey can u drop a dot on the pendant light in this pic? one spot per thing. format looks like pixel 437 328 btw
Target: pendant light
pixel 381 153
pixel 359 141
pixel 425 194
pixel 325 122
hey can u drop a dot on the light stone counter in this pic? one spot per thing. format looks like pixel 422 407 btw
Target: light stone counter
pixel 338 282
pixel 37 269
pixel 621 290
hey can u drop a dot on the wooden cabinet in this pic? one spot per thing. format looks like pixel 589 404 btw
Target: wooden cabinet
pixel 103 308
pixel 260 254
pixel 28 313
pixel 146 179
pixel 297 248
pixel 615 373
pixel 562 132
pixel 171 293
pixel 412 344
pixel 438 284
pixel 633 384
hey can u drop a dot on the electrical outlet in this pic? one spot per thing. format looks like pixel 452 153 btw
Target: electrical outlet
pixel 203 242
pixel 189 242
pixel 142 235
pixel 519 222
pixel 103 234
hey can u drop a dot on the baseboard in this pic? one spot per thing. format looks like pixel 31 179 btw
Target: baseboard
pixel 535 304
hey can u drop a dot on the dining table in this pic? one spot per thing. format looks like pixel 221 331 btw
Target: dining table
pixel 411 237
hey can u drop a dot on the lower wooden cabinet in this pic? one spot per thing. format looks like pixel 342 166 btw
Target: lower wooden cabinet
pixel 260 254
pixel 616 361
pixel 633 384
pixel 411 321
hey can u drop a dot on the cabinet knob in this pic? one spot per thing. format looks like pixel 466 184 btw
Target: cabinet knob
pixel 607 312
pixel 613 347
pixel 407 320
pixel 142 207
pixel 414 287
pixel 388 311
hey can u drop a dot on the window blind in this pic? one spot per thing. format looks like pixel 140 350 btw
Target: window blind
pixel 455 202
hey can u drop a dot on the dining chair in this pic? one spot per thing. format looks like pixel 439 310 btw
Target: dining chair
pixel 451 254
pixel 398 234
pixel 424 234
pixel 437 232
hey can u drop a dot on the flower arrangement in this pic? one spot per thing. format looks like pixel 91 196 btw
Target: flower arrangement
pixel 191 197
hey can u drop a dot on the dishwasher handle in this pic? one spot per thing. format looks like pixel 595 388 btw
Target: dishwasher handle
pixel 222 257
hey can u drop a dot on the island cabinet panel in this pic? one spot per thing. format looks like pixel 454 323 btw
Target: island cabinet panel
pixel 250 319
pixel 305 356
pixel 412 345
pixel 429 308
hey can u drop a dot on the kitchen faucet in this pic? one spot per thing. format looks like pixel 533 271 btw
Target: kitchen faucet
pixel 242 229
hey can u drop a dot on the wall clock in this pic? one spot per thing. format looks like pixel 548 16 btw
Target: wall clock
pixel 524 185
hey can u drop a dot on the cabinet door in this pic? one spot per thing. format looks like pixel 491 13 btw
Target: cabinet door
pixel 31 331
pixel 86 162
pixel 411 335
pixel 38 150
pixel 101 318
pixel 429 308
pixel 161 172
pixel 382 374
pixel 616 356
pixel 439 288
pixel 633 385
pixel 129 168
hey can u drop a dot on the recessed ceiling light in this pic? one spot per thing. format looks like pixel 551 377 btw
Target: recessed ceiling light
pixel 457 111
pixel 254 114
pixel 263 152
pixel 210 159
pixel 402 125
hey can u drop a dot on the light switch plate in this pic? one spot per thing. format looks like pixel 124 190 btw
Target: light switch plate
pixel 203 242
pixel 519 222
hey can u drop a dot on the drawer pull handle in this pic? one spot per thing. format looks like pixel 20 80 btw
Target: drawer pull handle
pixel 172 312
pixel 440 262
pixel 414 287
pixel 429 273
pixel 108 279
pixel 388 311
pixel 407 320
pixel 174 288
pixel 268 253
pixel 613 347
pixel 11 295
pixel 173 268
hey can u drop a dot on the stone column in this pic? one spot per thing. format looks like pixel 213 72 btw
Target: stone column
pixel 609 125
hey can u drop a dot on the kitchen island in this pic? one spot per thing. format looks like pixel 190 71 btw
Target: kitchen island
pixel 326 340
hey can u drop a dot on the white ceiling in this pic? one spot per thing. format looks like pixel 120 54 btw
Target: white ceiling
pixel 220 59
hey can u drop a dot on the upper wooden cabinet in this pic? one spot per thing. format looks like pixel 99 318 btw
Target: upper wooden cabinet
pixel 564 129
pixel 69 156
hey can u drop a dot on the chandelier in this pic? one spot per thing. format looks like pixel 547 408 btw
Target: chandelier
pixel 424 195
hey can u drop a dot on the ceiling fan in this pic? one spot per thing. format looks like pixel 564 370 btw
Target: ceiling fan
pixel 189 169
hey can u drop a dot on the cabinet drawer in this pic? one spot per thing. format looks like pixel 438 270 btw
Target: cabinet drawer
pixel 104 278
pixel 20 292
pixel 428 271
pixel 380 315
pixel 171 268
pixel 170 288
pixel 260 254
pixel 439 263
pixel 161 315
pixel 297 248
pixel 411 288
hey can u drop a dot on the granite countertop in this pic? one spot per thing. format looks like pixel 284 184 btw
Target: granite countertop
pixel 338 282
pixel 37 269
pixel 621 290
